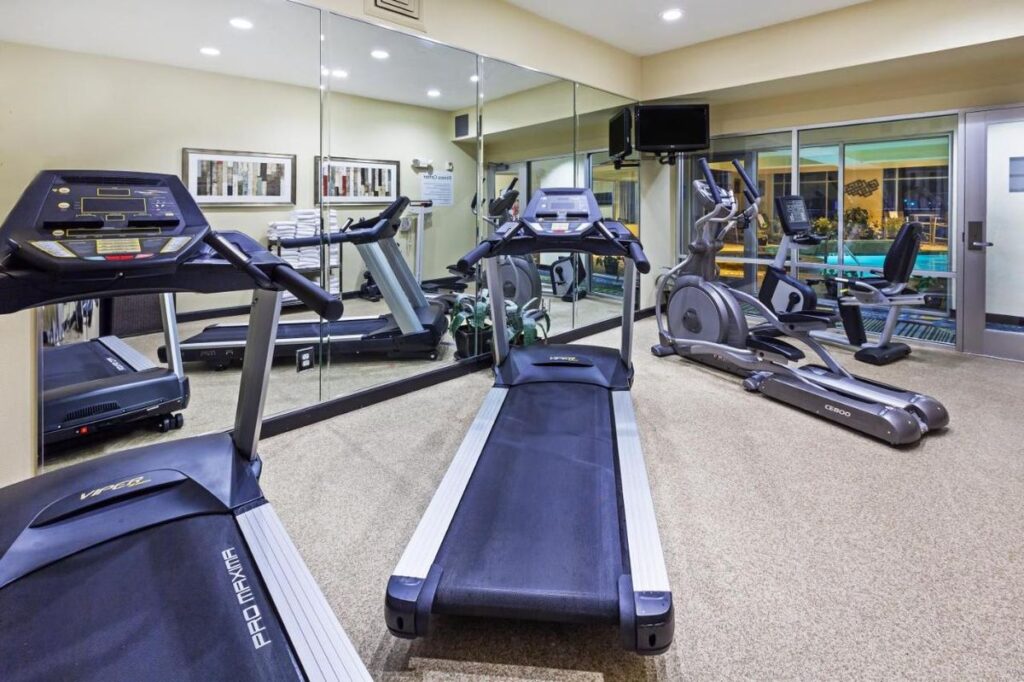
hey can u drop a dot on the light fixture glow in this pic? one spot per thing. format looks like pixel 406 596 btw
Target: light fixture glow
pixel 323 70
pixel 674 14
pixel 209 51
pixel 241 23
pixel 322 37
pixel 339 73
pixel 433 92
pixel 474 78
pixel 380 54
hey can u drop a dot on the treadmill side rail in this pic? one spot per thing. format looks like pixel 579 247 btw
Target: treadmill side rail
pixel 321 645
pixel 410 574
pixel 652 596
pixel 129 355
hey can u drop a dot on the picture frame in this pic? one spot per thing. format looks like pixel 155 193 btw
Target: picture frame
pixel 349 181
pixel 224 178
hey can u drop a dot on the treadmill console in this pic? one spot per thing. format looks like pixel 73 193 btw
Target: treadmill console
pixel 792 213
pixel 558 212
pixel 98 220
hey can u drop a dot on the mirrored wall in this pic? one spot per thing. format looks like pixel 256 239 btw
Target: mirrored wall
pixel 302 128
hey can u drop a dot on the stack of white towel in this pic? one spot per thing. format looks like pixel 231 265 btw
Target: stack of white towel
pixel 305 223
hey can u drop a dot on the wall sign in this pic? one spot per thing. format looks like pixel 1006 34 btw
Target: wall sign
pixel 438 187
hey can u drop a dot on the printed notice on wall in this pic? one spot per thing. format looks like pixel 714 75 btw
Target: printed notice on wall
pixel 438 187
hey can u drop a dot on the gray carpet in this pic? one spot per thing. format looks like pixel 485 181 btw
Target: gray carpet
pixel 796 549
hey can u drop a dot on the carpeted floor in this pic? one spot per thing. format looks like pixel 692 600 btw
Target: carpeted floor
pixel 796 549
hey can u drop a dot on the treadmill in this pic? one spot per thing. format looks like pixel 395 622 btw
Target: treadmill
pixel 96 385
pixel 413 329
pixel 545 512
pixel 166 560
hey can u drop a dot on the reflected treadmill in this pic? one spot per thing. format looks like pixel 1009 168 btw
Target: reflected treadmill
pixel 103 383
pixel 413 328
pixel 545 512
pixel 164 561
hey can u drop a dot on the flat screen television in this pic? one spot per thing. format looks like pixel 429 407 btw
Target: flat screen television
pixel 672 128
pixel 620 134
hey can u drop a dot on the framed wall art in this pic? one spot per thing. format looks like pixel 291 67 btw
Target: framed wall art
pixel 356 182
pixel 226 178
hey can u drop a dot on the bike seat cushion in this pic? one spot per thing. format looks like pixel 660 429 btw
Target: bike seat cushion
pixel 776 346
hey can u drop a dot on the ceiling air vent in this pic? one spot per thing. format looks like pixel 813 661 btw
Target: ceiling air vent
pixel 404 12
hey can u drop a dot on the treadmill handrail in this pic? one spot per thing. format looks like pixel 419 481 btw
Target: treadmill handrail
pixel 519 238
pixel 374 229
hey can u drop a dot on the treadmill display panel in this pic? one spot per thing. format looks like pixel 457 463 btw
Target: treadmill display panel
pixel 97 219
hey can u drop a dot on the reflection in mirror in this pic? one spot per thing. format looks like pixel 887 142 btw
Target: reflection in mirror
pixel 528 132
pixel 175 77
pixel 616 187
pixel 400 116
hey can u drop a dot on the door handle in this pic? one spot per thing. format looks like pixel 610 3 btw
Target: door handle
pixel 981 245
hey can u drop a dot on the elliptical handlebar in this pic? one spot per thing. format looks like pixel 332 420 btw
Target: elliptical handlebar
pixel 751 185
pixel 716 193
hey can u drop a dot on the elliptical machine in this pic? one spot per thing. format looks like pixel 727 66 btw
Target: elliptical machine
pixel 520 276
pixel 568 277
pixel 704 320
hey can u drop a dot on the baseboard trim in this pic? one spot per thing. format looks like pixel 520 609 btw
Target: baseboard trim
pixel 305 416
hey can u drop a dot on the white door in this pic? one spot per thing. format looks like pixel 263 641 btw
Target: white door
pixel 993 272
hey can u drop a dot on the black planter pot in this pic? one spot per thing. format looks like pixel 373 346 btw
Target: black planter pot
pixel 468 344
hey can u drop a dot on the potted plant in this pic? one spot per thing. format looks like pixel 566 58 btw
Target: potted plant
pixel 856 221
pixel 610 265
pixel 471 325
pixel 825 227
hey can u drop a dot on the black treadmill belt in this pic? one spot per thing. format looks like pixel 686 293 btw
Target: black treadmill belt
pixel 78 363
pixel 157 604
pixel 289 330
pixel 537 532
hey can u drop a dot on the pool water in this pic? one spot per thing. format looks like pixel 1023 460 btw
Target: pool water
pixel 925 261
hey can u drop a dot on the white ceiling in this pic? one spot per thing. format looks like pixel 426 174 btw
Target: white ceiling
pixel 283 46
pixel 636 25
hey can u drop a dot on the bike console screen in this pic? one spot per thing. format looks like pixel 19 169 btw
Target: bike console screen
pixel 792 212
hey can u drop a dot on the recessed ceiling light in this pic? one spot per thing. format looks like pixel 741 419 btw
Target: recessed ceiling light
pixel 380 54
pixel 433 92
pixel 209 51
pixel 339 73
pixel 241 23
pixel 474 78
pixel 674 14
pixel 323 70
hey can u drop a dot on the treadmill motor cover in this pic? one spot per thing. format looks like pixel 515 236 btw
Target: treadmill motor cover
pixel 138 608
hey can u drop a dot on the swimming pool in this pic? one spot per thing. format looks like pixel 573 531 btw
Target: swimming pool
pixel 925 261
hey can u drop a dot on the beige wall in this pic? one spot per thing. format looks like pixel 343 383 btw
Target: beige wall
pixel 18 372
pixel 171 108
pixel 871 32
pixel 497 29
pixel 960 79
